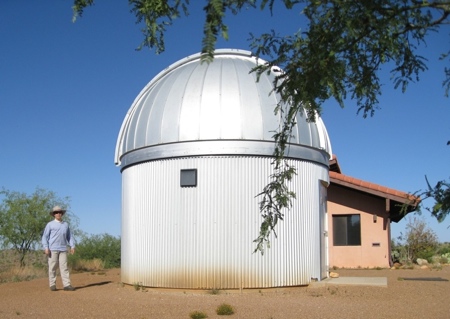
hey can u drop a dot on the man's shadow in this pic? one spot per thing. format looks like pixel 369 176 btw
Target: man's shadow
pixel 94 284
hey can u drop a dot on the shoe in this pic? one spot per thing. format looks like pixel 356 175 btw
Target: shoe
pixel 69 288
pixel 53 288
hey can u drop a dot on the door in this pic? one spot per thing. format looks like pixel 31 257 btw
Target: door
pixel 323 230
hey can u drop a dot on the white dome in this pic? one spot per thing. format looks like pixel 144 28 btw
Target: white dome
pixel 193 108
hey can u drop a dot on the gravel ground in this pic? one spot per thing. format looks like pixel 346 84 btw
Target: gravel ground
pixel 101 295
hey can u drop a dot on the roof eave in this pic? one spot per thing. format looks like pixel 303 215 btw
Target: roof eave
pixel 400 204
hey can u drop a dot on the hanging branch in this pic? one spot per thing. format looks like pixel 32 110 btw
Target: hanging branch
pixel 276 196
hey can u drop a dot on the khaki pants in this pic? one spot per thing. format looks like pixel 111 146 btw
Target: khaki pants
pixel 58 258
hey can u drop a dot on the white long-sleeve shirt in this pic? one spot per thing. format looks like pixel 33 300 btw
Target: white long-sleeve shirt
pixel 57 236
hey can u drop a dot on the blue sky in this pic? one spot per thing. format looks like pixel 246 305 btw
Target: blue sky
pixel 66 87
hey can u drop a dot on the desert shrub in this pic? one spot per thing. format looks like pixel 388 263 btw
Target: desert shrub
pixel 198 315
pixel 426 253
pixel 137 286
pixel 399 253
pixel 445 258
pixel 104 247
pixel 443 249
pixel 420 241
pixel 214 291
pixel 224 310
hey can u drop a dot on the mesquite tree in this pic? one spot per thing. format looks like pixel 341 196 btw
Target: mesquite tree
pixel 23 218
pixel 338 56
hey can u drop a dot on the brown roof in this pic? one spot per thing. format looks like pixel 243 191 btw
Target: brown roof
pixel 372 188
pixel 397 199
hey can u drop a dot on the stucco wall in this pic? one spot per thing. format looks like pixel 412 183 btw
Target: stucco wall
pixel 374 248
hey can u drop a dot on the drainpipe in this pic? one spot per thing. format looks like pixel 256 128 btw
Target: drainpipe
pixel 388 227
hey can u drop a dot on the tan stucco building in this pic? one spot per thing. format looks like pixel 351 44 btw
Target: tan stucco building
pixel 359 218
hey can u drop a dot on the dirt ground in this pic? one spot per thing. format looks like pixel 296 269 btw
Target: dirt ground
pixel 410 294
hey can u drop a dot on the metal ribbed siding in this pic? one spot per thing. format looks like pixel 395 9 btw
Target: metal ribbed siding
pixel 193 238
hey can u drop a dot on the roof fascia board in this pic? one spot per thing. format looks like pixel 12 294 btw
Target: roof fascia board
pixel 363 189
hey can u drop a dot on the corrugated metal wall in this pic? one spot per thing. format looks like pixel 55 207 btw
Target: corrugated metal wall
pixel 202 237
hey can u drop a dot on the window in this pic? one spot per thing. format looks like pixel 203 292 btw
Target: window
pixel 188 178
pixel 346 230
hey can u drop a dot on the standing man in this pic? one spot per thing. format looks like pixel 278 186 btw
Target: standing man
pixel 55 240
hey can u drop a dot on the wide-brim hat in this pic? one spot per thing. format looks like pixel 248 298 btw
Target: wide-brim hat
pixel 57 209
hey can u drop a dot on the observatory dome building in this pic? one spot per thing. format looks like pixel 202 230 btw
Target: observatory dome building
pixel 195 149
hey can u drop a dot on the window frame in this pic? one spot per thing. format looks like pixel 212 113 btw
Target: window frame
pixel 345 231
pixel 188 177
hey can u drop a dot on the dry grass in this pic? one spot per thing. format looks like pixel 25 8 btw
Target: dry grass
pixel 36 266
pixel 10 270
pixel 88 265
pixel 26 273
